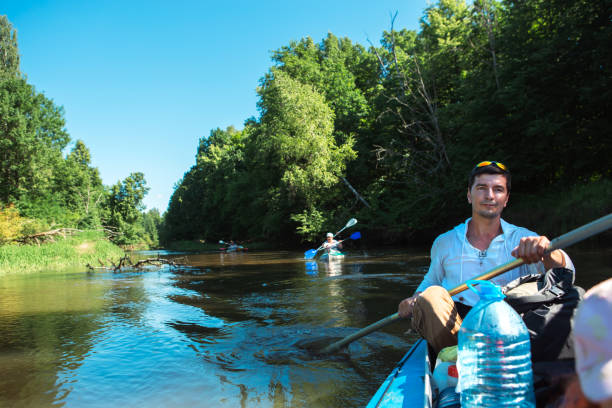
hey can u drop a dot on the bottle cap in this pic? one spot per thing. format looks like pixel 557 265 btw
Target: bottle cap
pixel 486 290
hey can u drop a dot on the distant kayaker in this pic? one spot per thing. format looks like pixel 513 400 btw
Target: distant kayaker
pixel 232 246
pixel 330 243
pixel 472 248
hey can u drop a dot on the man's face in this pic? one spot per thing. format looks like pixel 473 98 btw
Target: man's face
pixel 488 195
pixel 329 239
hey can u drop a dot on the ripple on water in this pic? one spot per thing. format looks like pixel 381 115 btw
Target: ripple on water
pixel 227 335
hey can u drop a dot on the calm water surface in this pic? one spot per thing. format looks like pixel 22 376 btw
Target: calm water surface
pixel 220 334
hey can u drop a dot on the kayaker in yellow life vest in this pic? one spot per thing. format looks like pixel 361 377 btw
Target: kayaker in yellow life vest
pixel 481 243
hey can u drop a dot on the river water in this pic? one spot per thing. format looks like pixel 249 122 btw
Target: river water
pixel 224 332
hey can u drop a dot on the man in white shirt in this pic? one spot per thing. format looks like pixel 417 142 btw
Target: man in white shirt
pixel 330 243
pixel 483 242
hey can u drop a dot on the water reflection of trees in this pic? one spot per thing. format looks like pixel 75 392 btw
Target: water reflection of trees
pixel 47 325
pixel 267 302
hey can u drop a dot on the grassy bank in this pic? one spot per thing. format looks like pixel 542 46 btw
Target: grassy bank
pixel 77 250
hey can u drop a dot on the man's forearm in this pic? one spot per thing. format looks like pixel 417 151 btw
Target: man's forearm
pixel 555 259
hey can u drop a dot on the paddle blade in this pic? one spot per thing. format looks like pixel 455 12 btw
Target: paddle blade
pixel 355 235
pixel 221 242
pixel 350 223
pixel 310 254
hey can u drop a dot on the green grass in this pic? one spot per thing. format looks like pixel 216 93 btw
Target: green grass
pixel 78 250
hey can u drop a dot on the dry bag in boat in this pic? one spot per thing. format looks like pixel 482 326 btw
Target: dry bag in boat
pixel 548 314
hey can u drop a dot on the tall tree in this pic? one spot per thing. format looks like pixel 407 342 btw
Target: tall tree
pixel 32 137
pixel 9 51
pixel 346 74
pixel 296 154
pixel 125 207
pixel 80 186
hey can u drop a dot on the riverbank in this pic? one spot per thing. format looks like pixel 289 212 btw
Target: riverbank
pixel 83 248
pixel 203 246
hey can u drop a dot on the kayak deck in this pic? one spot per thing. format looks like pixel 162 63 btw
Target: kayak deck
pixel 409 384
pixel 411 381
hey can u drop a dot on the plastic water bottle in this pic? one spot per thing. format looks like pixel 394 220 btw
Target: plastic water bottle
pixel 494 356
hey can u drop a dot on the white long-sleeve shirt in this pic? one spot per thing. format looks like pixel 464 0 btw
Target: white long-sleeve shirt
pixel 454 260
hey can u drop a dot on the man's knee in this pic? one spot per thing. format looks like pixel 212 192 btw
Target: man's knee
pixel 435 317
pixel 429 305
pixel 433 294
pixel 435 299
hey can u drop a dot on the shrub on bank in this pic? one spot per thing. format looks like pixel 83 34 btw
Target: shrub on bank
pixel 10 224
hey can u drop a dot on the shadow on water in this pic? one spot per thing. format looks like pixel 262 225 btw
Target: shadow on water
pixel 232 330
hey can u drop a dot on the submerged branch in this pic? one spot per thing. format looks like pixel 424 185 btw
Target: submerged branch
pixel 126 262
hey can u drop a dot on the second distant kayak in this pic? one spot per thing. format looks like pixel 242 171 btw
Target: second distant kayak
pixel 234 248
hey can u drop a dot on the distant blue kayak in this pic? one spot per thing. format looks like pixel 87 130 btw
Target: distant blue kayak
pixel 410 382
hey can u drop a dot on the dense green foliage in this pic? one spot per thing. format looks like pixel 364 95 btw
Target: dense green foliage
pixel 386 134
pixel 524 82
pixel 40 186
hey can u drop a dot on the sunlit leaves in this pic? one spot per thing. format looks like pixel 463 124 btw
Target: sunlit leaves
pixel 297 129
pixel 32 137
pixel 310 224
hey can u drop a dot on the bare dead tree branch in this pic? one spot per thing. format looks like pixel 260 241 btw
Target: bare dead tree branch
pixel 420 148
pixel 46 236
pixel 380 61
pixel 355 192
pixel 126 262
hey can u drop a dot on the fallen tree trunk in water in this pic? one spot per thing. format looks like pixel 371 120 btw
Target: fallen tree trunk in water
pixel 126 262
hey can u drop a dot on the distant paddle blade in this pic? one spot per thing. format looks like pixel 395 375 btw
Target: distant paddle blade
pixel 221 242
pixel 356 235
pixel 310 253
pixel 351 222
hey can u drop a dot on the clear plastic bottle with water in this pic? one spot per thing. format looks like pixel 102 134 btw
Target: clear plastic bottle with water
pixel 494 355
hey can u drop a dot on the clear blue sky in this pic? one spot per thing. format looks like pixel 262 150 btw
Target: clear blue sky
pixel 142 81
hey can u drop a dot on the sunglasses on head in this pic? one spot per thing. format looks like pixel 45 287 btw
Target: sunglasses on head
pixel 487 163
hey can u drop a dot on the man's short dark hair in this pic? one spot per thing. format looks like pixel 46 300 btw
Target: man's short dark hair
pixel 492 168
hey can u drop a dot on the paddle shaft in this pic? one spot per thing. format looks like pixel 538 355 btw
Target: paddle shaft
pixel 565 240
pixel 350 223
